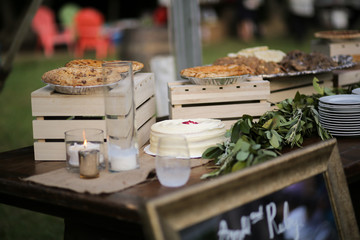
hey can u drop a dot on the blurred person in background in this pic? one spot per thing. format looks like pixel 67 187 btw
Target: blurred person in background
pixel 339 14
pixel 301 14
pixel 248 19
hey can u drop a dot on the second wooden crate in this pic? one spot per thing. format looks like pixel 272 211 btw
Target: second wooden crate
pixel 56 113
pixel 227 103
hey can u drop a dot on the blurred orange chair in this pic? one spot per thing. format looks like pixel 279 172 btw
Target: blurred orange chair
pixel 45 27
pixel 88 23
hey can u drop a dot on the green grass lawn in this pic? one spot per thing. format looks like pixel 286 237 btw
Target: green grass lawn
pixel 16 124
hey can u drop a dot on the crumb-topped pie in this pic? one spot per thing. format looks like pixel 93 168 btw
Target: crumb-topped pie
pixel 216 71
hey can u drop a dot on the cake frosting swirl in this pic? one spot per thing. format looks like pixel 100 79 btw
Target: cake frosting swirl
pixel 201 133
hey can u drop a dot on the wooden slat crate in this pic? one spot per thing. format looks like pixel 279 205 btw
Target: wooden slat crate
pixel 228 102
pixel 343 77
pixel 336 48
pixel 286 87
pixel 56 113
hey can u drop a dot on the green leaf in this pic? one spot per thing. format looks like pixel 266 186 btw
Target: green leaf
pixel 244 127
pixel 268 135
pixel 238 166
pixel 328 91
pixel 212 153
pixel 269 153
pixel 317 87
pixel 274 141
pixel 242 155
pixel 297 97
pixel 245 146
pixel 235 131
pixel 256 147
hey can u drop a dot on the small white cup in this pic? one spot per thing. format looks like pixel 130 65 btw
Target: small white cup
pixel 173 161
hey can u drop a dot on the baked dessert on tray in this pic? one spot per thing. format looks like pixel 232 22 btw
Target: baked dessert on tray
pixel 83 76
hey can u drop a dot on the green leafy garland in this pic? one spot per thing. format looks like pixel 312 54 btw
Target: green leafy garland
pixel 249 142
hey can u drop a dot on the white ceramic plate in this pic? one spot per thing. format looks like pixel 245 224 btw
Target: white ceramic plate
pixel 340 117
pixel 340 111
pixel 339 107
pixel 341 129
pixel 341 134
pixel 341 99
pixel 341 122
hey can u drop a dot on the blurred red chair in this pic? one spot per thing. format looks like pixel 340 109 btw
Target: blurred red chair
pixel 89 22
pixel 45 27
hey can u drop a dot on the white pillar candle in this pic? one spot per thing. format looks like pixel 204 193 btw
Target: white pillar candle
pixel 122 159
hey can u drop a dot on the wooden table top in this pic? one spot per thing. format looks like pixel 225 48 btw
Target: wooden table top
pixel 123 205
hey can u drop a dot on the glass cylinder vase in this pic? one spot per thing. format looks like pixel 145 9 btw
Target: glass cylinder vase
pixel 120 116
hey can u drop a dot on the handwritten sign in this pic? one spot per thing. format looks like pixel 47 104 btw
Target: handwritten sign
pixel 300 211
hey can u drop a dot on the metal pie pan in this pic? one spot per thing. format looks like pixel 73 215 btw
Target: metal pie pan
pixel 218 80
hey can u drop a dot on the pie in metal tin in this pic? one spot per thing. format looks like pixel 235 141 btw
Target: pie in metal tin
pixel 338 34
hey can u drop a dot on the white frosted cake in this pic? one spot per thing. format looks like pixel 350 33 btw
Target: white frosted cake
pixel 201 133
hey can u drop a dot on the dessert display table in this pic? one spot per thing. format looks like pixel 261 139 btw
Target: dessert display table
pixel 115 215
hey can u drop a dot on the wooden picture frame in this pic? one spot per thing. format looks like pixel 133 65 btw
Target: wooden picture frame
pixel 167 215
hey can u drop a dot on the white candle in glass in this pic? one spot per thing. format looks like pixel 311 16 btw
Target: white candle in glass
pixel 73 152
pixel 122 159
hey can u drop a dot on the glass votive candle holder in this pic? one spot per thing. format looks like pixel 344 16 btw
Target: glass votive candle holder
pixel 83 140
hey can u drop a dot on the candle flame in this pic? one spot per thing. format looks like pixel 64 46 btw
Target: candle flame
pixel 84 136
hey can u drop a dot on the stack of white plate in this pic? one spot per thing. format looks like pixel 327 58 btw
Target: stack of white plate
pixel 356 91
pixel 340 114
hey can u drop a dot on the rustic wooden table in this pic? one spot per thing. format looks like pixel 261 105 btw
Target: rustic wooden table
pixel 116 215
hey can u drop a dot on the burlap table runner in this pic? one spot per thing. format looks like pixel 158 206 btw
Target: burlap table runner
pixel 107 182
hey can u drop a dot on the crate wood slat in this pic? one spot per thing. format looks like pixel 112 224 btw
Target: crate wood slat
pixel 145 111
pixel 49 151
pixel 46 102
pixel 290 93
pixel 222 111
pixel 227 102
pixel 144 87
pixel 54 129
pixel 286 87
pixel 285 83
pixel 55 151
pixel 183 93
